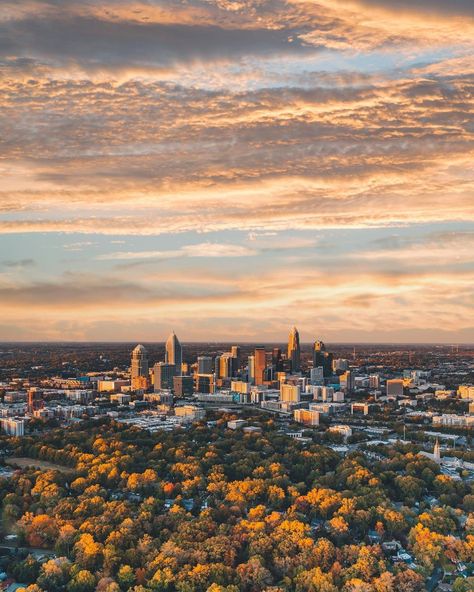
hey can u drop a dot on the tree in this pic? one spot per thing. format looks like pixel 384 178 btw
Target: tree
pixel 83 581
pixel 385 582
pixel 409 581
pixel 253 576
pixel 315 580
pixel 27 571
pixel 54 574
pixel 463 585
pixel 125 577
pixel 88 552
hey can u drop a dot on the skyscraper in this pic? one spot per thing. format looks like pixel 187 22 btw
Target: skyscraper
pixel 294 352
pixel 276 358
pixel 174 352
pixel 225 366
pixel 322 358
pixel 139 368
pixel 235 353
pixel 163 376
pixel 204 365
pixel 204 383
pixel 251 369
pixel 260 362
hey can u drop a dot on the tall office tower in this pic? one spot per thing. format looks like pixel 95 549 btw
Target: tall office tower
pixel 217 366
pixel 346 381
pixel 204 365
pixel 268 374
pixel 294 352
pixel 276 358
pixel 322 358
pixel 225 366
pixel 251 369
pixel 163 375
pixel 139 368
pixel 174 352
pixel 183 385
pixel 204 383
pixel 260 364
pixel 236 361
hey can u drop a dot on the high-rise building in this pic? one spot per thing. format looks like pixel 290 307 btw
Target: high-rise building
pixel 204 365
pixel 225 366
pixel 347 381
pixel 35 399
pixel 294 352
pixel 251 369
pixel 322 358
pixel 290 393
pixel 276 359
pixel 174 352
pixel 139 368
pixel 374 381
pixel 183 385
pixel 317 375
pixel 204 383
pixel 235 353
pixel 163 374
pixel 14 426
pixel 260 363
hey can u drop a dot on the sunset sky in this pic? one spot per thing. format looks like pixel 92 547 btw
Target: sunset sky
pixel 228 169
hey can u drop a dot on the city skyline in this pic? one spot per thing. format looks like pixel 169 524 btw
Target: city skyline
pixel 230 169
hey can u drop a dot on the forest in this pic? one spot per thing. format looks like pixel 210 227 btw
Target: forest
pixel 208 509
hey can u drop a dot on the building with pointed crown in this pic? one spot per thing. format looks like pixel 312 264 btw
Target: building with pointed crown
pixel 174 352
pixel 294 351
pixel 139 368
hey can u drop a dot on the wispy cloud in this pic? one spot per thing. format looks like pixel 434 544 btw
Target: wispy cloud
pixel 198 250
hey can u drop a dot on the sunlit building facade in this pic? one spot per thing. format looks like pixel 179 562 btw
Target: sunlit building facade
pixel 174 352
pixel 294 351
pixel 139 368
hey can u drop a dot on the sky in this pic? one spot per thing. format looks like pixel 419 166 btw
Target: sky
pixel 228 169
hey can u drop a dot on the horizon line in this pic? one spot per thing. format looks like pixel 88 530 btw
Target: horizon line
pixel 59 342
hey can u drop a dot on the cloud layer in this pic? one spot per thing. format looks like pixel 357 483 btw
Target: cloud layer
pixel 152 123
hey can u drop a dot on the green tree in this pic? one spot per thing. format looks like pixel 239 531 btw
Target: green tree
pixel 125 577
pixel 83 581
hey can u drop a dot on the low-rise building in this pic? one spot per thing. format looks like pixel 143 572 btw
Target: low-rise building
pixel 236 424
pixel 190 412
pixel 453 420
pixel 344 430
